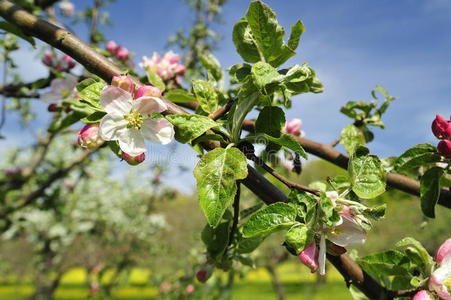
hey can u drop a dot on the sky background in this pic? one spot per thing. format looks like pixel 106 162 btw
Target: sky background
pixel 404 45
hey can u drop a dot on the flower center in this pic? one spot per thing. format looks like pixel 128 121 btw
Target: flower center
pixel 447 283
pixel 65 93
pixel 336 231
pixel 135 119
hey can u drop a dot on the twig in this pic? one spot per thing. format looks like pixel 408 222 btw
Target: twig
pixel 222 111
pixel 335 143
pixel 95 13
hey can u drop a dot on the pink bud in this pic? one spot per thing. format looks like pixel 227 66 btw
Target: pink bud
pixel 89 137
pixel 111 47
pixel 309 257
pixel 123 82
pixel 180 69
pixel 293 127
pixel 53 107
pixel 442 251
pixel 441 128
pixel 171 57
pixel 47 59
pixel 444 148
pixel 69 60
pixel 133 160
pixel 201 275
pixel 67 8
pixel 147 90
pixel 69 184
pixel 423 295
pixel 123 54
pixel 165 286
pixel 189 289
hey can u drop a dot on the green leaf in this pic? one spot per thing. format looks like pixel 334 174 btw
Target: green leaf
pixel 247 245
pixel 351 136
pixel 299 237
pixel 417 156
pixel 376 213
pixel 385 263
pixel 114 147
pixel 216 174
pixel 39 83
pixel 296 31
pixel 284 54
pixel 216 239
pixel 91 93
pixel 415 247
pixel 155 80
pixel 265 77
pixel 16 31
pixel 238 72
pixel 366 174
pixel 63 123
pixel 244 213
pixel 95 117
pixel 285 140
pixel 271 120
pixel 208 137
pixel 244 42
pixel 268 34
pixel 327 207
pixel 275 217
pixel 212 65
pixel 206 95
pixel 85 83
pixel 190 127
pixel 305 204
pixel 430 190
pixel 180 96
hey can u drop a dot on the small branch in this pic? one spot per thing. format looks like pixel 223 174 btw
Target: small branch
pixel 221 111
pixel 95 13
pixel 335 143
pixel 287 182
pixel 236 212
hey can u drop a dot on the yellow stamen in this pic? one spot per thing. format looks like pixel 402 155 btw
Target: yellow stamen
pixel 135 119
pixel 65 93
pixel 336 231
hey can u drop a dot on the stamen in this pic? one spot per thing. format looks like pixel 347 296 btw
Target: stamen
pixel 135 119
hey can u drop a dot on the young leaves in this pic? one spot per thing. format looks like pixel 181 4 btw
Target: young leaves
pixel 351 136
pixel 419 155
pixel 299 237
pixel 430 190
pixel 190 127
pixel 273 218
pixel 206 95
pixel 366 174
pixel 216 174
pixel 270 121
pixel 155 80
pixel 180 96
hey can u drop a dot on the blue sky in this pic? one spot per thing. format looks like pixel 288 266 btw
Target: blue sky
pixel 353 45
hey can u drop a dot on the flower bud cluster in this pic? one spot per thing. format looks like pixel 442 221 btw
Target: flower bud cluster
pixel 63 64
pixel 119 52
pixel 166 67
pixel 441 128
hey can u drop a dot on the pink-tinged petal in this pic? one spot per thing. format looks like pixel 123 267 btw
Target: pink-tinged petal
pixel 309 257
pixel 123 82
pixel 131 141
pixel 115 100
pixel 444 148
pixel 133 160
pixel 147 105
pixel 348 233
pixel 442 251
pixel 438 280
pixel 332 195
pixel 147 90
pixel 322 255
pixel 423 295
pixel 293 127
pixel 158 131
pixel 112 127
pixel 111 46
pixel 441 128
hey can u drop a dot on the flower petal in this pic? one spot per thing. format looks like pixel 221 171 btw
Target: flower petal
pixel 131 142
pixel 322 255
pixel 112 126
pixel 51 97
pixel 71 82
pixel 443 250
pixel 115 100
pixel 158 131
pixel 348 233
pixel 147 105
pixel 423 295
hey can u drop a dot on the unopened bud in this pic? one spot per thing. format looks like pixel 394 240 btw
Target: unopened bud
pixel 47 59
pixel 89 137
pixel 70 61
pixel 201 275
pixel 444 148
pixel 147 90
pixel 171 57
pixel 111 47
pixel 442 251
pixel 180 70
pixel 123 54
pixel 53 107
pixel 293 127
pixel 189 289
pixel 133 160
pixel 309 257
pixel 441 128
pixel 123 82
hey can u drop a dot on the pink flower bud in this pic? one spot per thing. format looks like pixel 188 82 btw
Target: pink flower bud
pixel 123 82
pixel 123 54
pixel 201 275
pixel 293 127
pixel 171 57
pixel 111 47
pixel 67 8
pixel 309 257
pixel 69 184
pixel 441 128
pixel 53 107
pixel 165 286
pixel 147 90
pixel 69 60
pixel 442 251
pixel 423 295
pixel 47 59
pixel 444 148
pixel 133 160
pixel 189 289
pixel 180 69
pixel 89 137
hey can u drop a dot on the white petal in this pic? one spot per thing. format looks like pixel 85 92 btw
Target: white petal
pixel 132 142
pixel 112 126
pixel 71 82
pixel 57 85
pixel 51 97
pixel 147 105
pixel 158 131
pixel 115 100
pixel 348 233
pixel 322 255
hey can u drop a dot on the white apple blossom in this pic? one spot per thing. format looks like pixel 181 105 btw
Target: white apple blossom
pixel 60 89
pixel 128 121
pixel 440 280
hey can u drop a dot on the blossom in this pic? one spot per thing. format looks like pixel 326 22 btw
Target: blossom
pixel 309 257
pixel 171 57
pixel 294 127
pixel 148 90
pixel 60 89
pixel 441 128
pixel 440 280
pixel 67 8
pixel 89 137
pixel 47 59
pixel 166 67
pixel 122 53
pixel 423 295
pixel 128 120
pixel 133 160
pixel 444 148
pixel 111 47
pixel 189 289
